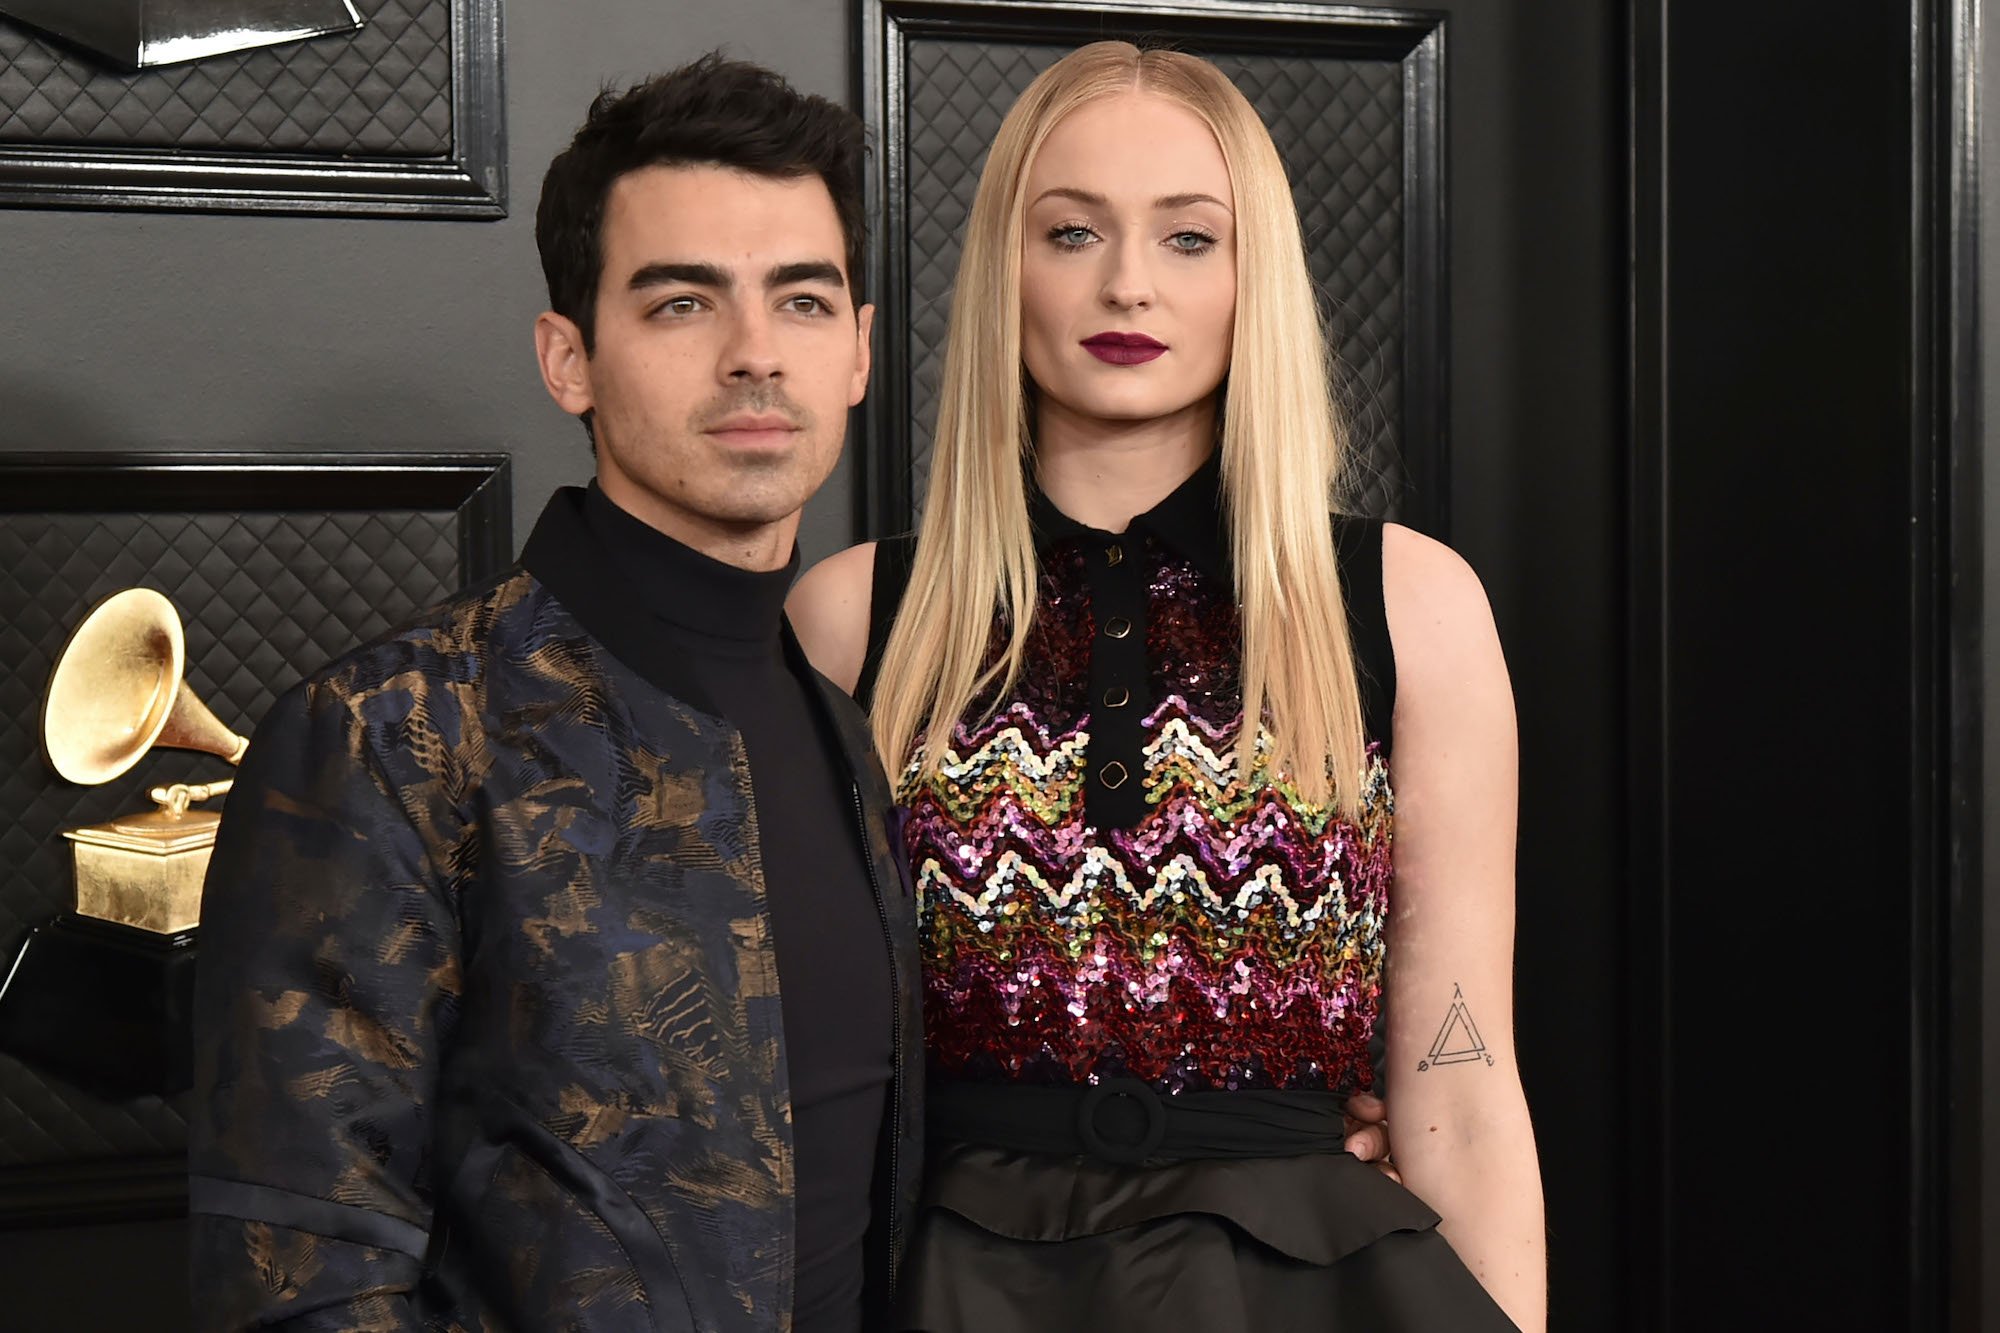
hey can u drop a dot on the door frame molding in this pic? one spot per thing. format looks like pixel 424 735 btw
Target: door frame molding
pixel 1951 1088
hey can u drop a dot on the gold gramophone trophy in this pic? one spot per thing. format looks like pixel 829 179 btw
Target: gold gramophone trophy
pixel 102 994
pixel 116 693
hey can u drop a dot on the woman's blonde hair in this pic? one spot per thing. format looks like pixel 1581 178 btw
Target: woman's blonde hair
pixel 1282 451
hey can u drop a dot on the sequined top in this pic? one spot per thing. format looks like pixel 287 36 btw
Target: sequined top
pixel 1099 893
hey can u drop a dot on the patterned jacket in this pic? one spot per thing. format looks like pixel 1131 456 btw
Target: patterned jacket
pixel 488 1017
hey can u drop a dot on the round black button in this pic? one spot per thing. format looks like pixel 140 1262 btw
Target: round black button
pixel 1118 627
pixel 1114 554
pixel 1112 775
pixel 1117 697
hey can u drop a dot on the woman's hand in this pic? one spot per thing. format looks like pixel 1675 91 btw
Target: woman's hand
pixel 1367 1123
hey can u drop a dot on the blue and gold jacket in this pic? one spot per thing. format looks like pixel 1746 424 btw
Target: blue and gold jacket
pixel 488 1026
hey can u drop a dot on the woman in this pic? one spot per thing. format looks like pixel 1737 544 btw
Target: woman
pixel 1161 947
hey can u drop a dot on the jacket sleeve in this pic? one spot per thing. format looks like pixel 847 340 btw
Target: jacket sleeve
pixel 327 987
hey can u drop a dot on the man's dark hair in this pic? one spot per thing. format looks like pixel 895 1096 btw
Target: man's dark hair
pixel 714 112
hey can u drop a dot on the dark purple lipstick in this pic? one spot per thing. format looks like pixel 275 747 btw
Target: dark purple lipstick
pixel 1123 349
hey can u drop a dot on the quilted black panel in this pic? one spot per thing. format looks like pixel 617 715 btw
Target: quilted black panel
pixel 265 597
pixel 383 90
pixel 1338 125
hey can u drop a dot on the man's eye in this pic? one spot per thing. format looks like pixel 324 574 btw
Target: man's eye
pixel 679 306
pixel 806 305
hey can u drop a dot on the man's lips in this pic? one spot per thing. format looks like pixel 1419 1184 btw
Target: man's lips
pixel 753 429
pixel 1123 349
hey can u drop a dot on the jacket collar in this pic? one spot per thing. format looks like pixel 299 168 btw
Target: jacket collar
pixel 566 556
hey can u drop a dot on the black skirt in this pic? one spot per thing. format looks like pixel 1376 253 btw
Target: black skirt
pixel 1018 1242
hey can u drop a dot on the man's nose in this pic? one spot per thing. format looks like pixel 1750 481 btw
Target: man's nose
pixel 751 352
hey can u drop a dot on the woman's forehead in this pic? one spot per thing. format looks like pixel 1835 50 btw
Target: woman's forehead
pixel 1131 148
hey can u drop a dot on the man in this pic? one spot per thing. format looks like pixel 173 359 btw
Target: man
pixel 556 968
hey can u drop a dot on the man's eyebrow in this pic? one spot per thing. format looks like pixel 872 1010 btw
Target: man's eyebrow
pixel 1094 200
pixel 660 274
pixel 806 270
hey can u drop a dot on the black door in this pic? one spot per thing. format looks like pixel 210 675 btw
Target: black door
pixel 1805 690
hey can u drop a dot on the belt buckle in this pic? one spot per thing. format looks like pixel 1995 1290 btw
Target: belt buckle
pixel 1123 1154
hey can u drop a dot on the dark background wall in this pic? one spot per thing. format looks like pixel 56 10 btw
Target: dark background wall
pixel 1778 481
pixel 159 331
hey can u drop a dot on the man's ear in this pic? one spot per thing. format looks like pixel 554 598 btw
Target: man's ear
pixel 565 364
pixel 864 329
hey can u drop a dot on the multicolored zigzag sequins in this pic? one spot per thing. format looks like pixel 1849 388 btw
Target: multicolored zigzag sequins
pixel 1233 938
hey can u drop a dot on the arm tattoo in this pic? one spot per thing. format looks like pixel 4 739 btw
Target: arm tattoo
pixel 1458 1039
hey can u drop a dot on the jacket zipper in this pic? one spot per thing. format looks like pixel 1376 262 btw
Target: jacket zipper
pixel 895 1050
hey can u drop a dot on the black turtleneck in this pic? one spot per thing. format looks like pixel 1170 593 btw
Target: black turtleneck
pixel 727 627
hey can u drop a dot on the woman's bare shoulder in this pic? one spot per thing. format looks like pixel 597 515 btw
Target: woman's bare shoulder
pixel 1440 622
pixel 829 607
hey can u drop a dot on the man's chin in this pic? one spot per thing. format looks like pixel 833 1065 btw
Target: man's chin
pixel 764 489
pixel 749 519
pixel 735 492
pixel 751 507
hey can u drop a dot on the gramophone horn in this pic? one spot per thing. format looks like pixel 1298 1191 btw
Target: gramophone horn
pixel 116 692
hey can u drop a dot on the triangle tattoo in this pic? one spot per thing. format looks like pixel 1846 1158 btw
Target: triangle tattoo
pixel 1458 1040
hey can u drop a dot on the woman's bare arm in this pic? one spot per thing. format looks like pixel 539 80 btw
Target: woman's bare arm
pixel 1462 1133
pixel 828 608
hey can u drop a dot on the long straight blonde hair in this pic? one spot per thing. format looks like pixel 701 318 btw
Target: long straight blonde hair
pixel 1283 447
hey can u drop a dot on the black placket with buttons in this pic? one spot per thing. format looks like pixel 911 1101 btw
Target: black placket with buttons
pixel 1117 569
pixel 1120 683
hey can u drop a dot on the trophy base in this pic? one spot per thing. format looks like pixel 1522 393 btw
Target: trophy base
pixel 107 1007
pixel 144 871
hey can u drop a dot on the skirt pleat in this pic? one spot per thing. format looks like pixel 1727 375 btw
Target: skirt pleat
pixel 1012 1242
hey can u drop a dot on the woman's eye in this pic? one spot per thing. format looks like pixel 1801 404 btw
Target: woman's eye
pixel 1072 237
pixel 1190 242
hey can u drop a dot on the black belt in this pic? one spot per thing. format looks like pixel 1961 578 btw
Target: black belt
pixel 1123 1120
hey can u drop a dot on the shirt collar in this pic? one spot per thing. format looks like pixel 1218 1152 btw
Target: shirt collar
pixel 1188 522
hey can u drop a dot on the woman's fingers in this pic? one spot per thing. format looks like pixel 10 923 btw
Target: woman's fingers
pixel 1368 1142
pixel 1367 1127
